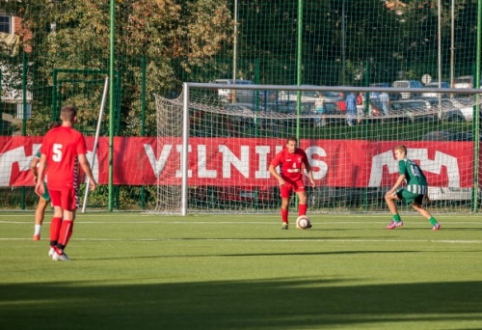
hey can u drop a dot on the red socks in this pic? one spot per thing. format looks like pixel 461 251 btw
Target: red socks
pixel 55 230
pixel 301 211
pixel 284 215
pixel 60 233
pixel 65 232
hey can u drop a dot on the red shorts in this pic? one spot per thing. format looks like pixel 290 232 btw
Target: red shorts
pixel 67 199
pixel 296 186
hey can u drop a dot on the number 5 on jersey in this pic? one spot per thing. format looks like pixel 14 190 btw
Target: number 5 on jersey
pixel 57 152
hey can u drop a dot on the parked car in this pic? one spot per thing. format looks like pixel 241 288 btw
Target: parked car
pixel 466 106
pixel 289 107
pixel 244 113
pixel 244 108
pixel 292 96
pixel 333 113
pixel 268 96
pixel 443 84
pixel 309 96
pixel 453 109
pixel 332 96
pixel 415 110
pixel 242 96
pixel 464 82
pixel 375 95
pixel 405 111
pixel 408 84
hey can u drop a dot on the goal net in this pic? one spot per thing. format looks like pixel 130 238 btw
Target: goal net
pixel 229 136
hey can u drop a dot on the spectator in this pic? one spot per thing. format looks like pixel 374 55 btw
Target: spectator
pixel 320 110
pixel 384 102
pixel 351 109
pixel 360 107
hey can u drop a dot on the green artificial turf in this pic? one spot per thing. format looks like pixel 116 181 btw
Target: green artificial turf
pixel 136 271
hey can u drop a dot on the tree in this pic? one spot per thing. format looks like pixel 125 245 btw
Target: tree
pixel 74 34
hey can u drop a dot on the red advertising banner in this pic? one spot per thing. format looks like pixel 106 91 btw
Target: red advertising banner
pixel 245 161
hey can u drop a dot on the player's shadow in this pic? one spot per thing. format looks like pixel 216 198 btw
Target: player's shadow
pixel 252 304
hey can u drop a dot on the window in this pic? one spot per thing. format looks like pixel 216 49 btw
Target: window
pixel 5 23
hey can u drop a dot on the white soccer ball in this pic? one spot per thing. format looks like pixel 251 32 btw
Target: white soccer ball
pixel 303 222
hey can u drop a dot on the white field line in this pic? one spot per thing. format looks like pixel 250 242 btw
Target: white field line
pixel 309 240
pixel 306 240
pixel 80 222
pixel 215 215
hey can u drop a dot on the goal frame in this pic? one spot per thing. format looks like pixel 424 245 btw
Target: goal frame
pixel 187 86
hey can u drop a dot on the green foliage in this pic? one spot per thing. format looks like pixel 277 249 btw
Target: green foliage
pixel 76 34
pixel 128 198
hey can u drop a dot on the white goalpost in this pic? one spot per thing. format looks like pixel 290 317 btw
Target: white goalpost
pixel 214 150
pixel 96 140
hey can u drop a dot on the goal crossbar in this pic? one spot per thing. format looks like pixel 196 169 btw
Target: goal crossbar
pixel 301 88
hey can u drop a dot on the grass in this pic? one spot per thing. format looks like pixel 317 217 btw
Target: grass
pixel 135 271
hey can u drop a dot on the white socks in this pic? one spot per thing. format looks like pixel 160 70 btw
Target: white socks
pixel 38 228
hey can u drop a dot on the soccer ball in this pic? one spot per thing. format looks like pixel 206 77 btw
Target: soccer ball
pixel 303 222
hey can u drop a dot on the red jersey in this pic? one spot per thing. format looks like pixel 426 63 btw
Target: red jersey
pixel 62 145
pixel 291 164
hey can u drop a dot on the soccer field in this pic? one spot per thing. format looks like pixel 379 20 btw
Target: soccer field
pixel 136 271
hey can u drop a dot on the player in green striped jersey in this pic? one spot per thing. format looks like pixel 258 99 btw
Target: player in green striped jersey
pixel 44 199
pixel 413 193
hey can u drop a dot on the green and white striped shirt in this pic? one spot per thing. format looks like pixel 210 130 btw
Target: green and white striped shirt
pixel 416 180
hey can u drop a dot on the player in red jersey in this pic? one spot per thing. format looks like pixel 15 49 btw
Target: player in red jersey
pixel 291 160
pixel 63 148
